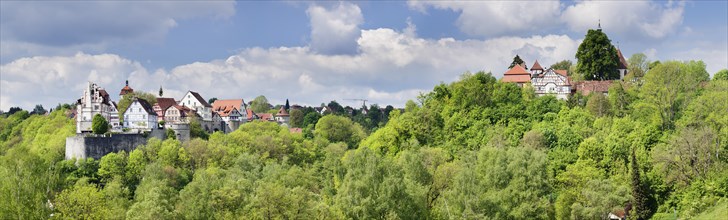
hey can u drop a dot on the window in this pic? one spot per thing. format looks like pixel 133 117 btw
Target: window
pixel 96 107
pixel 144 116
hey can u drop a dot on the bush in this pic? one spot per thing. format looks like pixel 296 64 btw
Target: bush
pixel 99 125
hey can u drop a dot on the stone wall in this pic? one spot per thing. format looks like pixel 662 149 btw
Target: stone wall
pixel 82 146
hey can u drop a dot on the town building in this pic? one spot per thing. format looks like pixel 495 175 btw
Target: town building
pixel 94 101
pixel 140 116
pixel 178 114
pixel 282 116
pixel 551 82
pixel 517 74
pixel 161 107
pixel 194 100
pixel 231 111
pixel 126 89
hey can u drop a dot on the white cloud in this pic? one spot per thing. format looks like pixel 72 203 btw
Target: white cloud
pixel 335 30
pixel 498 18
pixel 625 18
pixel 390 68
pixel 52 80
pixel 28 28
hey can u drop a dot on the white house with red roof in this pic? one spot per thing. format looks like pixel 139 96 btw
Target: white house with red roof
pixel 195 101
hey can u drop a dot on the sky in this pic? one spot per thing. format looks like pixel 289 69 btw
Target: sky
pixel 310 53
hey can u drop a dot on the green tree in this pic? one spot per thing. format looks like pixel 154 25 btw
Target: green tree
pixel 311 118
pixel 721 75
pixel 82 201
pixel 212 100
pixel 670 86
pixel 516 61
pixel 562 65
pixel 297 118
pixel 196 130
pixel 339 129
pixel 597 57
pixel 638 65
pixel 640 204
pixel 260 104
pixel 598 104
pixel 99 125
pixel 38 110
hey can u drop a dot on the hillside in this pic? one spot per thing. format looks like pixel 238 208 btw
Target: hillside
pixel 475 148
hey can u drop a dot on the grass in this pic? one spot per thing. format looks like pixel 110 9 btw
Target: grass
pixel 719 211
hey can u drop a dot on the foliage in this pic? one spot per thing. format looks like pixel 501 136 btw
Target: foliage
pixel 721 75
pixel 475 148
pixel 297 118
pixel 38 110
pixel 516 61
pixel 597 57
pixel 598 104
pixel 99 125
pixel 260 104
pixel 562 65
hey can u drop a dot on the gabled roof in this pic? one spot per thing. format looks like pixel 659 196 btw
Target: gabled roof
pixel 165 103
pixel 517 70
pixel 265 116
pixel 145 105
pixel 562 72
pixel 200 99
pixel 282 112
pixel 226 106
pixel 184 111
pixel 251 114
pixel 536 66
pixel 516 78
pixel 622 62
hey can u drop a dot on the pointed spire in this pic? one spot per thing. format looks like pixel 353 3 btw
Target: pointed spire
pixel 160 91
pixel 599 24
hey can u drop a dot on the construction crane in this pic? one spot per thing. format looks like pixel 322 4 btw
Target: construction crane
pixel 363 101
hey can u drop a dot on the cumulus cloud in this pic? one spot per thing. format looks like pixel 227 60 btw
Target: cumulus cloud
pixel 27 27
pixel 498 18
pixel 52 80
pixel 335 30
pixel 626 18
pixel 391 67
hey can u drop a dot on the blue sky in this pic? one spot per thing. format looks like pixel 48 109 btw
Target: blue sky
pixel 315 52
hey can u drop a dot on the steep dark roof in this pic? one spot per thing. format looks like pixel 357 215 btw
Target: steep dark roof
pixel 622 62
pixel 200 99
pixel 165 103
pixel 145 105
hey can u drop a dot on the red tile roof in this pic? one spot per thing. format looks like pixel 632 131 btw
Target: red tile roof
pixel 225 107
pixel 184 111
pixel 536 66
pixel 265 116
pixel 586 87
pixel 282 112
pixel 295 130
pixel 562 72
pixel 517 70
pixel 516 78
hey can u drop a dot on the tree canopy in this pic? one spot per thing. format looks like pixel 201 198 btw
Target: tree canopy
pixel 597 57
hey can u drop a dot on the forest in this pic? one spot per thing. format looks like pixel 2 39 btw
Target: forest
pixel 476 148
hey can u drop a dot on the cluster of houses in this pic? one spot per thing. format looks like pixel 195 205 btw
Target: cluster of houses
pixel 557 82
pixel 222 115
